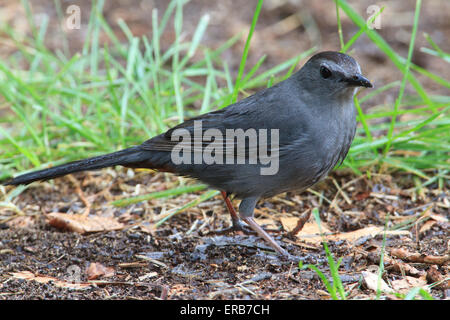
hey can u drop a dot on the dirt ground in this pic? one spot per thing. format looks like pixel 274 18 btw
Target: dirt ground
pixel 182 260
pixel 129 258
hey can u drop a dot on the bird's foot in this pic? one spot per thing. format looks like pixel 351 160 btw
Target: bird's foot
pixel 237 226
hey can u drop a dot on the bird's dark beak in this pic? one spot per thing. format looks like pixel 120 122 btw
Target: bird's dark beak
pixel 358 80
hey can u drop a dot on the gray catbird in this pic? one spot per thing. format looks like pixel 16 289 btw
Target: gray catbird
pixel 308 118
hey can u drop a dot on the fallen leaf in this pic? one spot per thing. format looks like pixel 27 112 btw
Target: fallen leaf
pixel 301 221
pixel 434 276
pixel 21 222
pixel 30 276
pixel 371 281
pixel 438 217
pixel 405 268
pixel 362 196
pixel 148 227
pixel 355 235
pixel 311 233
pixel 82 223
pixel 427 226
pixel 407 283
pixel 418 257
pixel 96 270
pixel 309 229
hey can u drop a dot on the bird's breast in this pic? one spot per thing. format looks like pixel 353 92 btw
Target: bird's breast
pixel 333 140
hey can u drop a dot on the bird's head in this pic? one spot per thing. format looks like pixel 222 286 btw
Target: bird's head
pixel 332 73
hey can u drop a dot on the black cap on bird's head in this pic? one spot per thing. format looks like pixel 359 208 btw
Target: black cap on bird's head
pixel 333 72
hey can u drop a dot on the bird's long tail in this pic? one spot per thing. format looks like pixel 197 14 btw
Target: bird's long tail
pixel 126 157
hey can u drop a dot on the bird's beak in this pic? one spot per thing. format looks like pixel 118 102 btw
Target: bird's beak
pixel 358 80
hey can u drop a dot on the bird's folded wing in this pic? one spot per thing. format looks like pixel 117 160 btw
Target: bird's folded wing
pixel 217 131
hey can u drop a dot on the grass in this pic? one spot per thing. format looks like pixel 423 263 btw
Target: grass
pixel 57 107
pixel 60 107
pixel 335 288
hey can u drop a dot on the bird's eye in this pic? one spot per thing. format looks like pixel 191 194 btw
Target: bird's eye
pixel 325 72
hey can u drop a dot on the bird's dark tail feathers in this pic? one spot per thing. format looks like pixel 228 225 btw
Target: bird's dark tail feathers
pixel 123 157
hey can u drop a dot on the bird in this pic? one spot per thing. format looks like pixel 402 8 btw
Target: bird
pixel 308 118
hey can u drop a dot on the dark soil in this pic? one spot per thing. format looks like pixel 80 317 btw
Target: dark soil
pixel 171 262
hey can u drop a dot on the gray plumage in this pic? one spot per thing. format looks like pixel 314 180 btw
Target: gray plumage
pixel 313 111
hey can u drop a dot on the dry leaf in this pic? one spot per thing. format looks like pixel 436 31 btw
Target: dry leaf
pixel 405 268
pixel 362 196
pixel 434 276
pixel 438 217
pixel 301 221
pixel 309 229
pixel 21 222
pixel 83 224
pixel 27 275
pixel 418 257
pixel 148 227
pixel 96 270
pixel 407 283
pixel 311 233
pixel 371 281
pixel 427 226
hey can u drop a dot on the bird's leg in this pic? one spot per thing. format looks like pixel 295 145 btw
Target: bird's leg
pixel 237 225
pixel 252 223
pixel 246 209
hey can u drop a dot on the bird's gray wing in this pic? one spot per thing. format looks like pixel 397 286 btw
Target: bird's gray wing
pixel 272 109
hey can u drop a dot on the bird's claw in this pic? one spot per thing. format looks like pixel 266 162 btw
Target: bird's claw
pixel 235 227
